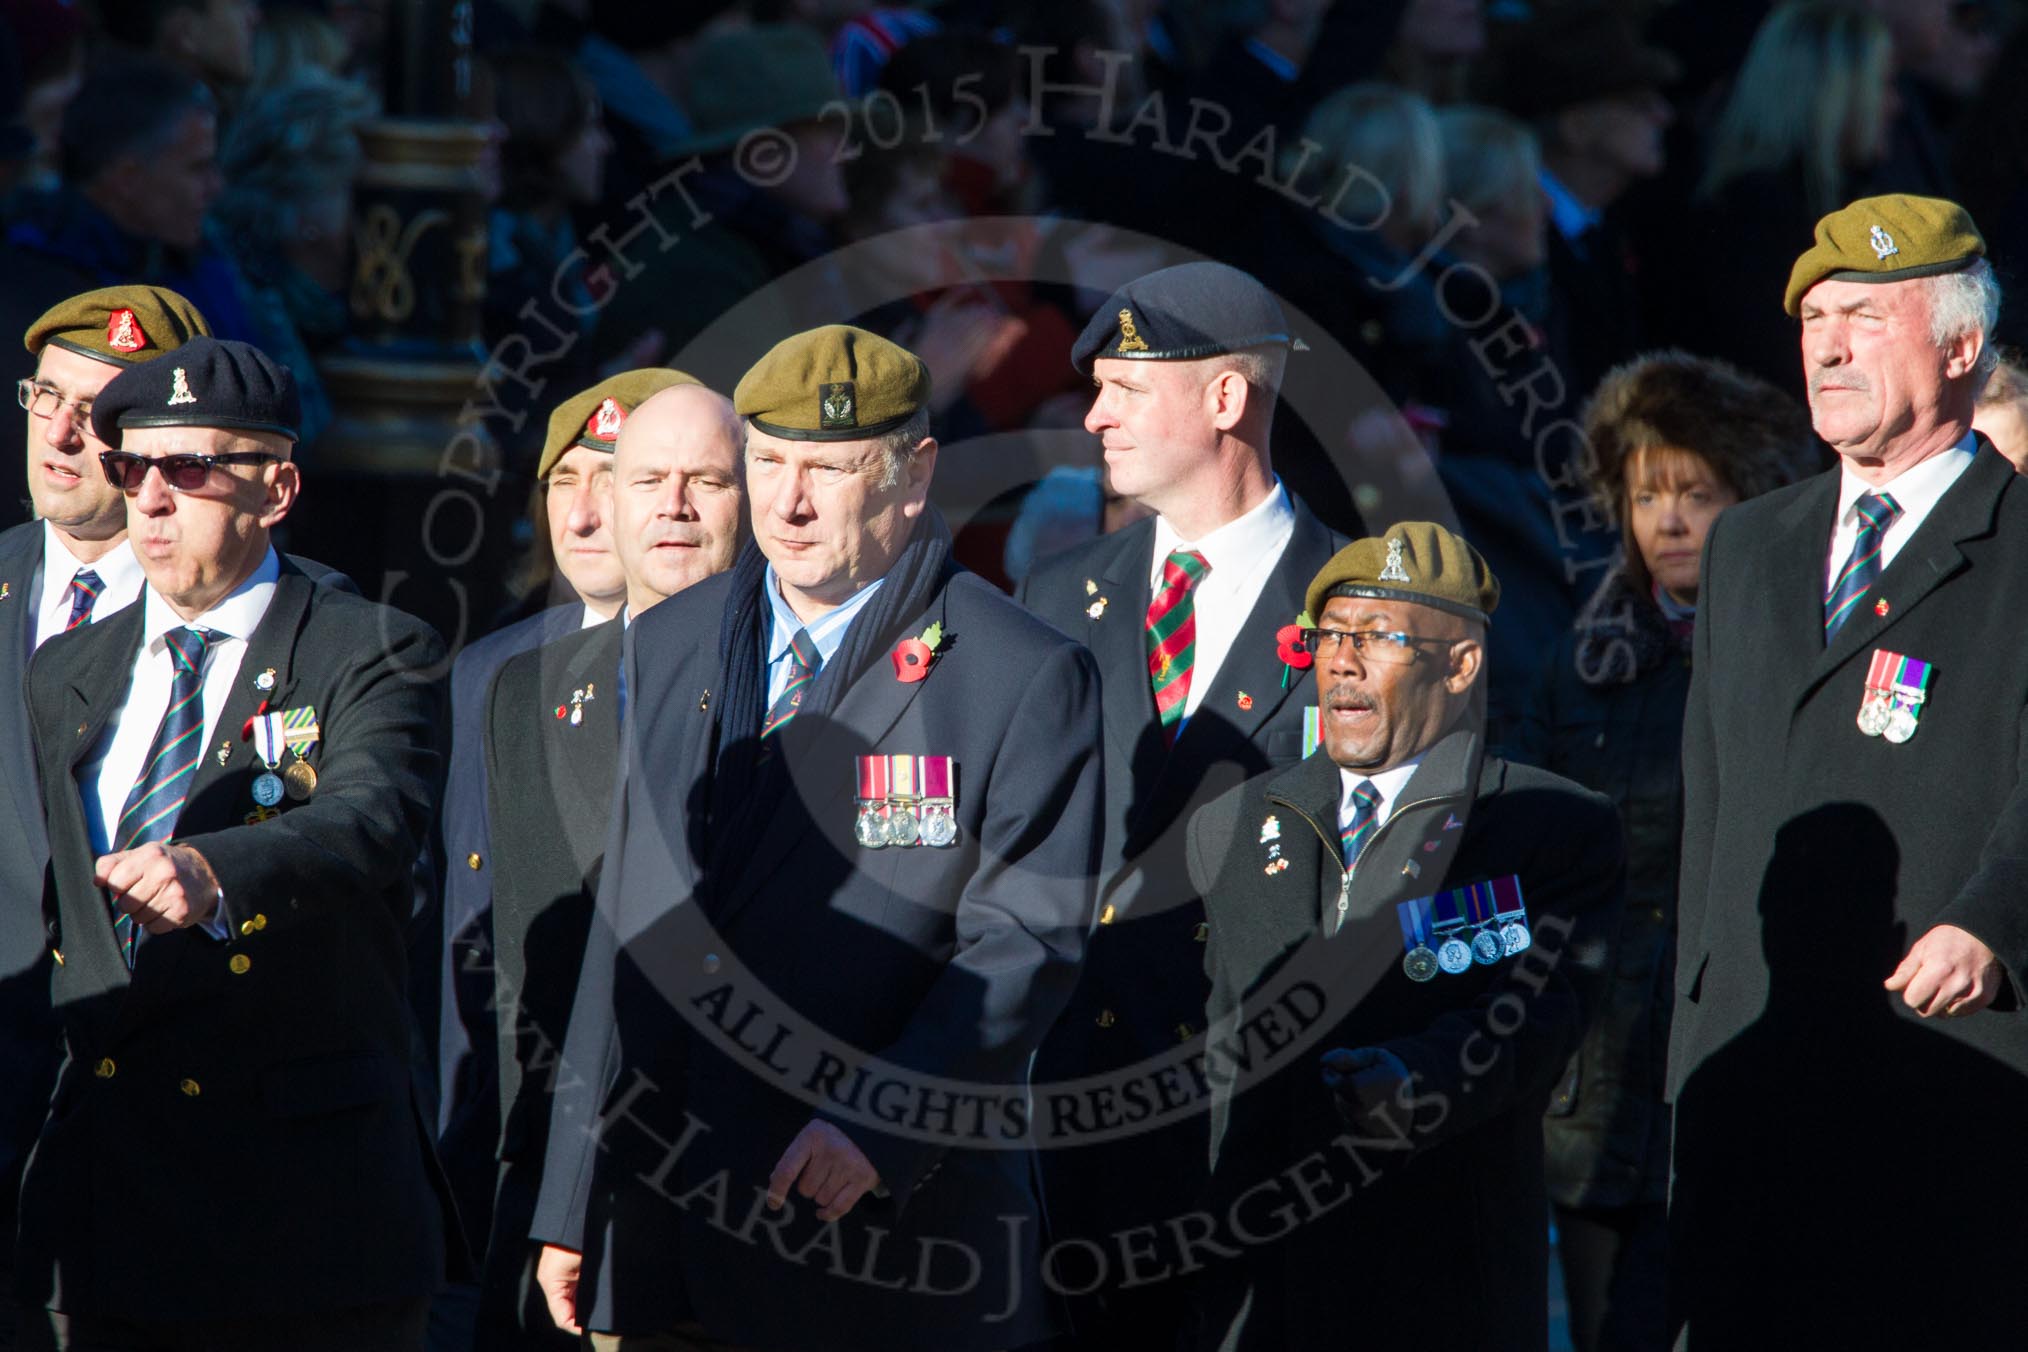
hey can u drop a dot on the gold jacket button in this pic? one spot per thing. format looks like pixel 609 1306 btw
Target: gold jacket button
pixel 240 964
pixel 191 1088
pixel 1184 1032
pixel 473 860
pixel 1106 916
pixel 246 927
pixel 1203 931
pixel 105 1068
pixel 260 922
pixel 1106 1018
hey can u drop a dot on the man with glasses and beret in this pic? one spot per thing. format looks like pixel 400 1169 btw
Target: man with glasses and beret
pixel 859 792
pixel 67 567
pixel 1186 615
pixel 1409 935
pixel 237 773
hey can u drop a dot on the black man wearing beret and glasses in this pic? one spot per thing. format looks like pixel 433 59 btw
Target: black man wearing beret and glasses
pixel 237 772
pixel 1410 934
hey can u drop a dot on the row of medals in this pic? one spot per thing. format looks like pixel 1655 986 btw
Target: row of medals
pixel 903 823
pixel 1884 714
pixel 299 781
pixel 1455 955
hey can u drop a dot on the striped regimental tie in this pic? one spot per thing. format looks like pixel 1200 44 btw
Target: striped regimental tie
pixel 1353 834
pixel 157 797
pixel 1172 636
pixel 804 664
pixel 84 591
pixel 1877 512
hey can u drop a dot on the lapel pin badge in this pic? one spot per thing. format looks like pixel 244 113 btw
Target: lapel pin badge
pixel 5 592
pixel 1090 587
pixel 1271 829
pixel 224 751
pixel 265 681
pixel 1245 701
pixel 1881 607
pixel 1096 610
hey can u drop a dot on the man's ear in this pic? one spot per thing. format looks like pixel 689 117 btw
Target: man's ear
pixel 1226 398
pixel 1961 354
pixel 922 465
pixel 1467 656
pixel 282 485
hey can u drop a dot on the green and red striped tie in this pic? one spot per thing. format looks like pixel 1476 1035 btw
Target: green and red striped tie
pixel 1172 636
pixel 804 664
pixel 1354 833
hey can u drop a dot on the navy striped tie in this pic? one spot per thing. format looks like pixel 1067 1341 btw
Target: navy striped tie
pixel 1877 512
pixel 157 797
pixel 85 587
pixel 804 664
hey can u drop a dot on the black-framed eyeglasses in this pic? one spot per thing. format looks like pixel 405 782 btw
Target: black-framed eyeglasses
pixel 1379 645
pixel 43 401
pixel 184 473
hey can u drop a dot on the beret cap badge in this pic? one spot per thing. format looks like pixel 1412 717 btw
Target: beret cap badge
pixel 837 406
pixel 1130 341
pixel 1883 243
pixel 1394 572
pixel 124 333
pixel 179 389
pixel 605 422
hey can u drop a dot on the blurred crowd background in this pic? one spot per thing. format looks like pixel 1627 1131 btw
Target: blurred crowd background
pixel 1475 209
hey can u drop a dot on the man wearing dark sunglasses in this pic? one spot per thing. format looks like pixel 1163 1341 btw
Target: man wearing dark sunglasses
pixel 1410 933
pixel 237 775
pixel 67 567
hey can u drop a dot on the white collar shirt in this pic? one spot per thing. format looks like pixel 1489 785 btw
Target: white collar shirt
pixel 1242 553
pixel 1916 490
pixel 1388 783
pixel 120 580
pixel 122 748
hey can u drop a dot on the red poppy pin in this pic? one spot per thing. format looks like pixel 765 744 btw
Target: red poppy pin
pixel 1289 647
pixel 913 657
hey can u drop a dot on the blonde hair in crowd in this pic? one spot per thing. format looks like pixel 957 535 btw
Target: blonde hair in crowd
pixel 1808 98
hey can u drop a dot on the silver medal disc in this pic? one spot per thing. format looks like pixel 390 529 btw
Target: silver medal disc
pixel 1454 956
pixel 868 829
pixel 1419 963
pixel 1900 726
pixel 941 829
pixel 1873 717
pixel 267 788
pixel 1515 938
pixel 902 827
pixel 1487 948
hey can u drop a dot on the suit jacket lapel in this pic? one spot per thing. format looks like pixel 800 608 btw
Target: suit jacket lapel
pixel 593 744
pixel 17 578
pixel 1796 589
pixel 96 690
pixel 819 752
pixel 1931 555
pixel 1117 639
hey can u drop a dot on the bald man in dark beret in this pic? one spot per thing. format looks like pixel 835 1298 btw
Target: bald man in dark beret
pixel 237 772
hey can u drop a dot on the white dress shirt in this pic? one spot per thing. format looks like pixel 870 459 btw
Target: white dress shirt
pixel 1915 490
pixel 1242 553
pixel 1388 783
pixel 591 619
pixel 119 583
pixel 827 631
pixel 122 749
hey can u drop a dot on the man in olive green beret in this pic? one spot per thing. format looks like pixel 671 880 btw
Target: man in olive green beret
pixel 1410 933
pixel 575 507
pixel 69 567
pixel 1854 817
pixel 861 792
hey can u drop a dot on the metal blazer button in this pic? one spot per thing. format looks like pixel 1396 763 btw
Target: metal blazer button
pixel 105 1068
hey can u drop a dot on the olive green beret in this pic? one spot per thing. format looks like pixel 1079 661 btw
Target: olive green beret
pixel 1414 561
pixel 836 383
pixel 593 418
pixel 1886 239
pixel 118 324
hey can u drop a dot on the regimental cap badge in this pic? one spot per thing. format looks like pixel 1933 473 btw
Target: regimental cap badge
pixel 124 332
pixel 179 389
pixel 1394 572
pixel 1130 340
pixel 1883 244
pixel 837 406
pixel 606 420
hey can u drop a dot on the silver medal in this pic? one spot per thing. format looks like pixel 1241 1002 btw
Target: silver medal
pixel 1900 725
pixel 1515 938
pixel 267 788
pixel 868 829
pixel 1419 963
pixel 1487 948
pixel 1873 717
pixel 902 827
pixel 940 828
pixel 1454 956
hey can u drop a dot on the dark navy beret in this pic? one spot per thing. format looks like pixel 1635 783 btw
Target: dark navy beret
pixel 207 382
pixel 1183 313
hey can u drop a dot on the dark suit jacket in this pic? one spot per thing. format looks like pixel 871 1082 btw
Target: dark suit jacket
pixel 451 983
pixel 550 795
pixel 1813 857
pixel 1142 989
pixel 941 962
pixel 1452 1185
pixel 246 1103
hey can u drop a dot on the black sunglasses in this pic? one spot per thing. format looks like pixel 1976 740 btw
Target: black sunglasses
pixel 184 473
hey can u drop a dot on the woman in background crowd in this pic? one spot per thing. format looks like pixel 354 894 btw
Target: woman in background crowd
pixel 1676 439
